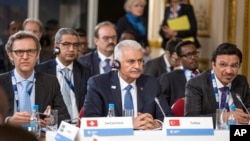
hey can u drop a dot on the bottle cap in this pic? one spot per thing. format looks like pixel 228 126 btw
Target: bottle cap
pixel 232 107
pixel 35 107
pixel 111 105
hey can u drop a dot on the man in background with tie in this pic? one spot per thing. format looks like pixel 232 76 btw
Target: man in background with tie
pixel 203 94
pixel 71 74
pixel 127 88
pixel 100 61
pixel 24 87
pixel 173 83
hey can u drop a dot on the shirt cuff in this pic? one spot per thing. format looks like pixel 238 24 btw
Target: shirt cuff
pixel 159 128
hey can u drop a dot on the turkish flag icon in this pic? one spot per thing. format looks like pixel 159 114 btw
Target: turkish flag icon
pixel 174 122
pixel 92 123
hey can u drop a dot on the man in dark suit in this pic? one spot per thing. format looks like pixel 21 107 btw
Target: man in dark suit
pixel 111 88
pixel 203 94
pixel 105 40
pixel 23 49
pixel 167 62
pixel 173 83
pixel 67 42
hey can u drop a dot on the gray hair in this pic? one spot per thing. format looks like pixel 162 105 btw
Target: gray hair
pixel 21 35
pixel 65 31
pixel 118 53
pixel 130 3
pixel 100 25
pixel 30 20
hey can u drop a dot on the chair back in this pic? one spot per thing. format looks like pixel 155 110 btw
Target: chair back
pixel 178 107
pixel 81 114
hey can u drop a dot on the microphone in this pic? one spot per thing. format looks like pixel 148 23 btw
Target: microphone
pixel 238 97
pixel 159 105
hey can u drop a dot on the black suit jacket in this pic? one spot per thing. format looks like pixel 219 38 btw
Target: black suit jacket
pixel 91 60
pixel 105 88
pixel 81 75
pixel 200 98
pixel 155 67
pixel 188 10
pixel 173 85
pixel 47 92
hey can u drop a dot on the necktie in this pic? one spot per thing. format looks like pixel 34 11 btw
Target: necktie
pixel 25 102
pixel 66 90
pixel 107 67
pixel 224 91
pixel 128 101
pixel 194 73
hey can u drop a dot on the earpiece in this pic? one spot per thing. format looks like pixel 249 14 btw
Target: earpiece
pixel 116 64
pixel 56 50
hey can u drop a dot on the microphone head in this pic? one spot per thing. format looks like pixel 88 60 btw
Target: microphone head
pixel 238 96
pixel 156 100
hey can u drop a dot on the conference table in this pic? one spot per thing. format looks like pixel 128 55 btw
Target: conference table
pixel 155 135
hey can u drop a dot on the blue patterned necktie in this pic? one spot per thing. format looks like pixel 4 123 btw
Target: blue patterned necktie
pixel 107 67
pixel 128 100
pixel 66 90
pixel 25 102
pixel 224 91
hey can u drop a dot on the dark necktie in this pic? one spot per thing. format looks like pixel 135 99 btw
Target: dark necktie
pixel 194 73
pixel 128 101
pixel 25 102
pixel 224 91
pixel 107 67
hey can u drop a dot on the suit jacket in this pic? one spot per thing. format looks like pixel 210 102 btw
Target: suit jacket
pixel 105 88
pixel 185 9
pixel 47 92
pixel 200 99
pixel 173 85
pixel 91 60
pixel 81 75
pixel 124 24
pixel 155 67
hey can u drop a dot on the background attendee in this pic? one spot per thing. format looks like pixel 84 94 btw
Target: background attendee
pixel 83 45
pixel 112 88
pixel 173 83
pixel 101 60
pixel 127 35
pixel 134 21
pixel 35 26
pixel 177 9
pixel 203 93
pixel 74 82
pixel 23 49
pixel 167 62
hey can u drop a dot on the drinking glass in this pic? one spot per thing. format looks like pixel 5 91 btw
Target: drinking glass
pixel 52 123
pixel 221 119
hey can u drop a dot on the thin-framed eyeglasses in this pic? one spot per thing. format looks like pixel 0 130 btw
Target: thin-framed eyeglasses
pixel 106 38
pixel 190 54
pixel 225 65
pixel 68 44
pixel 30 52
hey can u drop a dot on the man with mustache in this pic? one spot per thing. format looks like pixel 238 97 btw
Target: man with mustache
pixel 100 61
pixel 173 83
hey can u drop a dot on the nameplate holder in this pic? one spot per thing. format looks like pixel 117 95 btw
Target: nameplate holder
pixel 188 126
pixel 66 132
pixel 107 126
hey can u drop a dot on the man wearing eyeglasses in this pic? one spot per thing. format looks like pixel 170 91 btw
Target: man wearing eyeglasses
pixel 100 61
pixel 173 83
pixel 204 93
pixel 23 49
pixel 71 74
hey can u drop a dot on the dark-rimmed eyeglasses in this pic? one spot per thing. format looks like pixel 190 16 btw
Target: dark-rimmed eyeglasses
pixel 68 44
pixel 190 54
pixel 30 52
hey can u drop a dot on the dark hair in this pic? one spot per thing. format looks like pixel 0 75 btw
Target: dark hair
pixel 181 44
pixel 81 32
pixel 171 44
pixel 52 24
pixel 227 49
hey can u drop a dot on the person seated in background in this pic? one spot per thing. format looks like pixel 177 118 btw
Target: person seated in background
pixel 167 62
pixel 203 94
pixel 127 35
pixel 71 74
pixel 24 87
pixel 83 42
pixel 100 61
pixel 173 83
pixel 127 88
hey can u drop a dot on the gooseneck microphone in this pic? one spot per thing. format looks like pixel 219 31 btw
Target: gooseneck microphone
pixel 159 105
pixel 238 97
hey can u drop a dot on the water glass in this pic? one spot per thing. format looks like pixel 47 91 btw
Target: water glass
pixel 128 113
pixel 221 119
pixel 52 123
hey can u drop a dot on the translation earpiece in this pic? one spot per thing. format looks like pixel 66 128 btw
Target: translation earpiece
pixel 56 50
pixel 116 64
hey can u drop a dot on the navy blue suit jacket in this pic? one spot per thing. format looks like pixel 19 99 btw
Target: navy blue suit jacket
pixel 105 88
pixel 91 60
pixel 81 75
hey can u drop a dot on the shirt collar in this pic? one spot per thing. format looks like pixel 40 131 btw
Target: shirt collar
pixel 219 84
pixel 61 66
pixel 124 84
pixel 19 78
pixel 103 57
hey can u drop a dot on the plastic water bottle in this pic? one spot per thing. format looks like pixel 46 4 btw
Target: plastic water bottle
pixel 231 118
pixel 111 110
pixel 34 126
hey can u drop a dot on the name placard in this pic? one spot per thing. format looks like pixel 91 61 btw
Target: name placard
pixel 107 126
pixel 176 126
pixel 66 132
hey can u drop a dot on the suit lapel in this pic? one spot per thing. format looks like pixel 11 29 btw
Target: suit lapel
pixel 116 92
pixel 96 63
pixel 39 91
pixel 77 82
pixel 140 93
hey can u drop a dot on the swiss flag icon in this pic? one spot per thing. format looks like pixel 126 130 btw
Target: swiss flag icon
pixel 92 123
pixel 174 122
